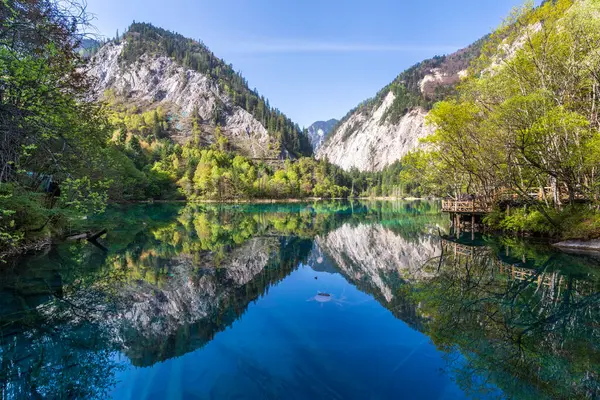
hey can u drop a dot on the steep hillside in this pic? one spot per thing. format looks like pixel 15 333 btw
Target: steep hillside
pixel 383 129
pixel 318 131
pixel 193 92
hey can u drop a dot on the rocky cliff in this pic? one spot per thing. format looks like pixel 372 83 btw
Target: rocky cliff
pixel 154 69
pixel 368 142
pixel 383 129
pixel 155 80
pixel 318 131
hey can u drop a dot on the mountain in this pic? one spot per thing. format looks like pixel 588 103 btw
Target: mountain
pixel 192 92
pixel 381 130
pixel 318 131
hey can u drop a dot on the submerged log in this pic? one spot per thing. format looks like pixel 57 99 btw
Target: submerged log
pixel 89 236
pixel 96 235
pixel 78 236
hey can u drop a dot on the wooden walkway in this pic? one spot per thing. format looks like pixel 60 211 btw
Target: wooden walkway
pixel 466 206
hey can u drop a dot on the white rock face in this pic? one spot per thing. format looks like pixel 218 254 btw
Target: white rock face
pixel 369 143
pixel 435 77
pixel 375 253
pixel 154 80
pixel 318 131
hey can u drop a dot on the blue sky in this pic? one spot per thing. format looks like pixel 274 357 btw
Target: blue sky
pixel 315 59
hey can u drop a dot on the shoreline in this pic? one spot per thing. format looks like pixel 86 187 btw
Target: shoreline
pixel 24 248
pixel 40 244
pixel 571 245
pixel 272 201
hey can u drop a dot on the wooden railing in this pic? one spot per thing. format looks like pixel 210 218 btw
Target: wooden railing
pixel 513 272
pixel 466 206
pixel 451 247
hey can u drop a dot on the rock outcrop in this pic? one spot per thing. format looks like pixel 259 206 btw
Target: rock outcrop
pixel 318 131
pixel 383 129
pixel 370 143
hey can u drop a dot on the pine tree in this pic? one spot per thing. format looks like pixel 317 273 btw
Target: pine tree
pixel 157 128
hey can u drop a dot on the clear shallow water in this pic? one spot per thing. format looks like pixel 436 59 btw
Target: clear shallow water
pixel 324 300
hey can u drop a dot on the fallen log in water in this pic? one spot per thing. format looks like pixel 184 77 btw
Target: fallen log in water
pixel 89 236
pixel 78 236
pixel 97 235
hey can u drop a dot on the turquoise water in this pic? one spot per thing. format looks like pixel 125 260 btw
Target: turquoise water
pixel 331 300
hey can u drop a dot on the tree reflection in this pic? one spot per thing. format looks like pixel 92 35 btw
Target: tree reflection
pixel 526 327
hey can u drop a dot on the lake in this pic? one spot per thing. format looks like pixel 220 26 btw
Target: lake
pixel 323 300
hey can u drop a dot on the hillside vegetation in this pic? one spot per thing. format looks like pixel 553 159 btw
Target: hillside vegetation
pixel 524 130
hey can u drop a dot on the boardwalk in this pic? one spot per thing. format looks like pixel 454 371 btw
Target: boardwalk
pixel 466 206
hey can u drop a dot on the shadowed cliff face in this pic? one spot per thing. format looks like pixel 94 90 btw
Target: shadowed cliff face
pixel 318 131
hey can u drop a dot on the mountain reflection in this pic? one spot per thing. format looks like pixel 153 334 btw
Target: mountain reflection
pixel 509 315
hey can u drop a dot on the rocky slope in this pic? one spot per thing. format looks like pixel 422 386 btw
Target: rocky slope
pixel 152 67
pixel 155 80
pixel 318 131
pixel 370 143
pixel 383 129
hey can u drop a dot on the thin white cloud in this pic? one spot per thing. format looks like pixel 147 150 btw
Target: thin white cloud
pixel 332 47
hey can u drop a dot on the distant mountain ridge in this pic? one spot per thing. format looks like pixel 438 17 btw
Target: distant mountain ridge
pixel 318 131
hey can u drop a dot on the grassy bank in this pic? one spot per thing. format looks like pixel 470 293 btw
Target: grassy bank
pixel 578 221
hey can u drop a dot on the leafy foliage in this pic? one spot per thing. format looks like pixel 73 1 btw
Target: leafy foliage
pixel 52 136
